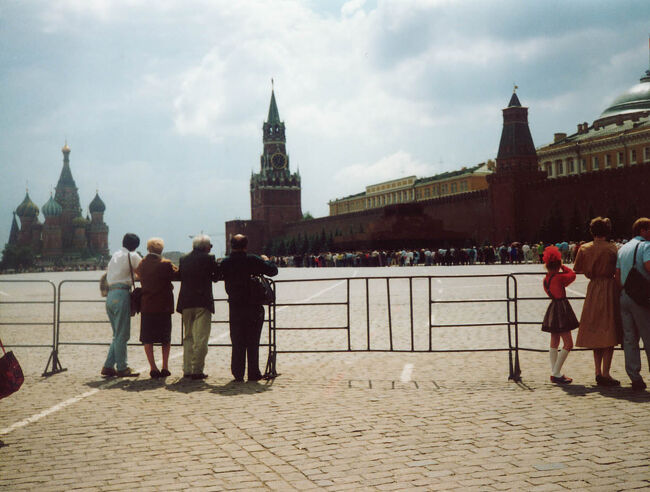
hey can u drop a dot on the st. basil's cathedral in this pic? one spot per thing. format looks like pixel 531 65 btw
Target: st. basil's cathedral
pixel 65 236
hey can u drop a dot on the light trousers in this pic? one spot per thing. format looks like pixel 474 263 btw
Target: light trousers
pixel 196 323
pixel 118 308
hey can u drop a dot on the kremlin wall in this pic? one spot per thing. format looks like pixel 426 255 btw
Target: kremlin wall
pixel 548 193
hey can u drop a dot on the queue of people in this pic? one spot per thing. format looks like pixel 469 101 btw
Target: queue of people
pixel 197 271
pixel 609 315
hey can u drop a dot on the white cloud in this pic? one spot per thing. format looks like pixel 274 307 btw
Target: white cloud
pixel 355 178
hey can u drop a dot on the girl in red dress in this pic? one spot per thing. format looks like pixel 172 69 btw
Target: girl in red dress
pixel 560 318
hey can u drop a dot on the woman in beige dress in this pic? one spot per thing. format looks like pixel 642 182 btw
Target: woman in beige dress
pixel 600 325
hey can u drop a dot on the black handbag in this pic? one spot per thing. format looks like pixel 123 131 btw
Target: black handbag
pixel 636 285
pixel 11 374
pixel 261 291
pixel 136 293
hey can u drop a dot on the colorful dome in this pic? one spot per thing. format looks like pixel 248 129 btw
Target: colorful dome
pixel 97 205
pixel 65 149
pixel 27 208
pixel 52 208
pixel 636 98
pixel 79 221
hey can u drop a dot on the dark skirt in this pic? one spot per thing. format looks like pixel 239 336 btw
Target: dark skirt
pixel 559 317
pixel 155 328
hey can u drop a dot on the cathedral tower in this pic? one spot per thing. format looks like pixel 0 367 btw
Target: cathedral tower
pixel 275 191
pixel 67 196
pixel 98 233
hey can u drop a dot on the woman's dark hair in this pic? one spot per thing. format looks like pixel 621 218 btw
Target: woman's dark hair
pixel 130 241
pixel 600 226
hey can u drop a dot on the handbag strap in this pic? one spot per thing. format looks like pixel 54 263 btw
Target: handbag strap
pixel 3 348
pixel 128 257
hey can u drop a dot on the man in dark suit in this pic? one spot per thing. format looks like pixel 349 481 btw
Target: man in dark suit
pixel 197 271
pixel 246 317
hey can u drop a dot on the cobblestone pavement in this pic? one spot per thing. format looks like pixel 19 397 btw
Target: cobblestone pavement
pixel 330 421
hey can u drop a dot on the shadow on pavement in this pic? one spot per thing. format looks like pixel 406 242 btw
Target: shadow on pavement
pixel 127 384
pixel 618 392
pixel 230 388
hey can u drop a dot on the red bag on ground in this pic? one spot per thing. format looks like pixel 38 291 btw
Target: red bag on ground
pixel 11 375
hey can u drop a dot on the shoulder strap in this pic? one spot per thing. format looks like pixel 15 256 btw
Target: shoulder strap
pixel 128 258
pixel 3 347
pixel 547 286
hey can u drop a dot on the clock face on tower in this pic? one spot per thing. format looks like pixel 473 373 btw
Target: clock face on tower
pixel 279 161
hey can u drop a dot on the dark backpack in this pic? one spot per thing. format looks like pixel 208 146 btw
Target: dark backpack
pixel 261 291
pixel 636 285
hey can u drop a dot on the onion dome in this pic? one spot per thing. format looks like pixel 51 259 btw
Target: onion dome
pixel 636 98
pixel 27 208
pixel 79 222
pixel 52 208
pixel 65 149
pixel 97 205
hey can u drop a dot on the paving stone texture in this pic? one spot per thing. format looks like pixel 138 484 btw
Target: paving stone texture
pixel 404 420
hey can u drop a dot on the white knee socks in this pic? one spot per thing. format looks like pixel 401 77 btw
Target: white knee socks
pixel 561 357
pixel 552 353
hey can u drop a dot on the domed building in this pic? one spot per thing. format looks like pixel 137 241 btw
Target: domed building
pixel 65 236
pixel 618 138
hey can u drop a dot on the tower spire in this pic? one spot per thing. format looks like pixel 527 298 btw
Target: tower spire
pixel 274 115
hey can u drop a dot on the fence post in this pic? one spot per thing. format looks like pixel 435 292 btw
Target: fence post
pixel 515 370
pixel 56 315
pixel 271 370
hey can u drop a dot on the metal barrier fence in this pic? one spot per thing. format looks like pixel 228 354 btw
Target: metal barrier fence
pixel 26 321
pixel 509 321
pixel 359 308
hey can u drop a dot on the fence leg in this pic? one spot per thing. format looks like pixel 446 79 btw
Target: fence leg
pixel 56 364
pixel 270 372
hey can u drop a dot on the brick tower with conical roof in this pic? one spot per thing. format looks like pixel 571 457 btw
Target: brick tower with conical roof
pixel 516 166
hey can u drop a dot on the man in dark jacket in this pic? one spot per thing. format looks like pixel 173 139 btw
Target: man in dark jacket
pixel 246 317
pixel 197 271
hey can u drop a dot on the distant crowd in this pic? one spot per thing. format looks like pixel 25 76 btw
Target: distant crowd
pixel 515 252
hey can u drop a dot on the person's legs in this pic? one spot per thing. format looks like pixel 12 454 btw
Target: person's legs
pixel 201 338
pixel 630 340
pixel 188 340
pixel 148 350
pixel 111 310
pixel 238 340
pixel 608 354
pixel 598 361
pixel 123 328
pixel 567 345
pixel 254 330
pixel 165 356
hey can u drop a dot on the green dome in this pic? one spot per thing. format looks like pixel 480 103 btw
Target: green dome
pixel 636 98
pixel 52 208
pixel 27 208
pixel 79 221
pixel 97 205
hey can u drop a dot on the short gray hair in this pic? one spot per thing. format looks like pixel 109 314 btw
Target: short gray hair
pixel 201 241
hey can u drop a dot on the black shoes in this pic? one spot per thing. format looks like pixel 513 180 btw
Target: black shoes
pixel 607 381
pixel 199 376
pixel 155 374
pixel 164 373
pixel 108 372
pixel 638 385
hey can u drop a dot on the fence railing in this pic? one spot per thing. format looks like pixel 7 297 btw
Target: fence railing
pixel 373 314
pixel 27 317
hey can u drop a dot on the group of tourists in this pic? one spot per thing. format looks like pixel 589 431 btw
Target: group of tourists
pixel 609 315
pixel 197 271
pixel 515 252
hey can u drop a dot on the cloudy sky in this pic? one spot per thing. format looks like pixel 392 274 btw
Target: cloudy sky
pixel 162 103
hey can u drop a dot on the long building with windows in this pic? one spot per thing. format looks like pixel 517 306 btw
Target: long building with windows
pixel 414 189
